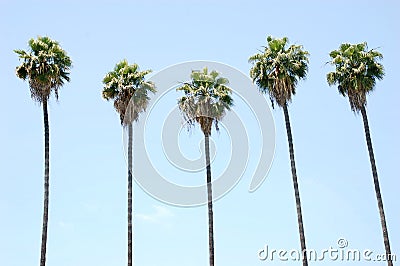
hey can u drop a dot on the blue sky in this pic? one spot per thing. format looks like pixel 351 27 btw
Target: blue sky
pixel 88 171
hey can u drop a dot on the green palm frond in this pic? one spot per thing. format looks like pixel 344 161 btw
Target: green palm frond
pixel 46 66
pixel 127 87
pixel 207 98
pixel 278 69
pixel 356 72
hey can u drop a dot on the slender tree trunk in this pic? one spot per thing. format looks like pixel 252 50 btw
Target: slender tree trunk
pixel 377 187
pixel 210 201
pixel 130 238
pixel 46 183
pixel 296 186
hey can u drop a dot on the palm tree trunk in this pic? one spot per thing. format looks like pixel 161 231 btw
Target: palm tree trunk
pixel 296 186
pixel 210 201
pixel 46 183
pixel 130 238
pixel 377 187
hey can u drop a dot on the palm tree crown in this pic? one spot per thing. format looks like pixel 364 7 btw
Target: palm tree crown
pixel 206 99
pixel 278 69
pixel 46 66
pixel 356 72
pixel 124 83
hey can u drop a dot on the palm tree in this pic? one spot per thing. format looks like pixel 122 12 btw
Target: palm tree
pixel 206 99
pixel 129 90
pixel 357 70
pixel 276 71
pixel 46 67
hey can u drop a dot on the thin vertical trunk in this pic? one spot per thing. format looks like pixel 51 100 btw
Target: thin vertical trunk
pixel 210 201
pixel 46 183
pixel 296 186
pixel 130 238
pixel 377 187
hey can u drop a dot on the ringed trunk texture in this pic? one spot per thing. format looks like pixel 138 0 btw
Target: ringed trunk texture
pixel 46 183
pixel 377 187
pixel 296 186
pixel 210 201
pixel 130 234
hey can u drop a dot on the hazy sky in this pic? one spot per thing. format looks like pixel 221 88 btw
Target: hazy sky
pixel 87 223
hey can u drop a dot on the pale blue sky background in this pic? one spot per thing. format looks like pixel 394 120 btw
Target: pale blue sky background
pixel 88 171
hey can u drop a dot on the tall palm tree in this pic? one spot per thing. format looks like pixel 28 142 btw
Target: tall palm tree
pixel 356 72
pixel 46 67
pixel 206 100
pixel 276 71
pixel 127 87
